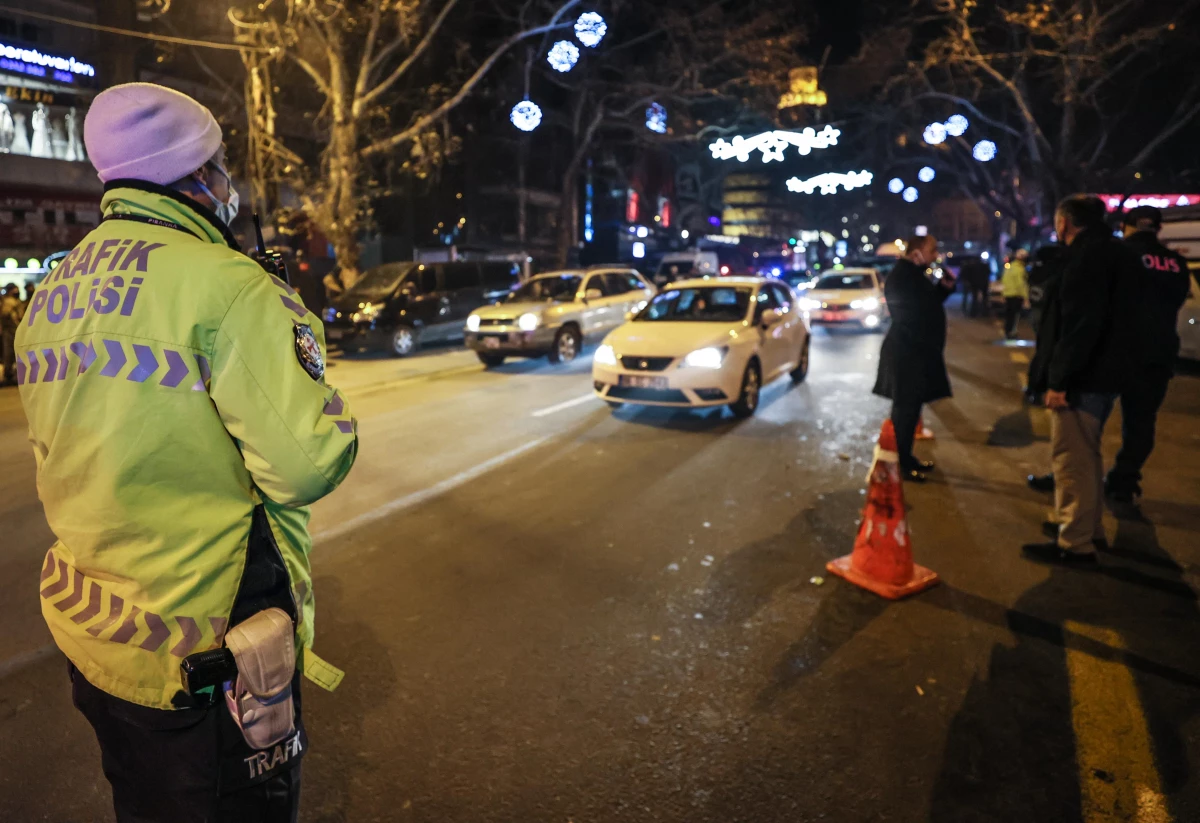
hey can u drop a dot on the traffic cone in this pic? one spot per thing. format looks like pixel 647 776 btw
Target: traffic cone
pixel 923 431
pixel 882 559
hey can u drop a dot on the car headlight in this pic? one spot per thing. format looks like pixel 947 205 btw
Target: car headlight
pixel 371 310
pixel 710 358
pixel 473 323
pixel 605 356
pixel 869 303
pixel 528 322
pixel 808 304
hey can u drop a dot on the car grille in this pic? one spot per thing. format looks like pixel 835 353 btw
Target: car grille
pixel 647 395
pixel 496 321
pixel 646 363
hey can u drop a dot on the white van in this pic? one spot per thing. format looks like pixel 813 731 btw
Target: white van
pixel 686 265
pixel 1181 232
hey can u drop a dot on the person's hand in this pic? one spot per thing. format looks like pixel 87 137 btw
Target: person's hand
pixel 1056 400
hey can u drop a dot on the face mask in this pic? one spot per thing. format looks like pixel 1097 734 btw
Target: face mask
pixel 227 211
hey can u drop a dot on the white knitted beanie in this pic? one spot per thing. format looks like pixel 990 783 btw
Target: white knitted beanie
pixel 142 131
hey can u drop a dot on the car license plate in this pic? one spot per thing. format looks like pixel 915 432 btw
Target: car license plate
pixel 637 382
pixel 491 342
pixel 334 334
pixel 834 316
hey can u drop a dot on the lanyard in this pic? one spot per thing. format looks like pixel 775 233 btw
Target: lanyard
pixel 153 221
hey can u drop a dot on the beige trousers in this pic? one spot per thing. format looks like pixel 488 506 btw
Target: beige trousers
pixel 1078 478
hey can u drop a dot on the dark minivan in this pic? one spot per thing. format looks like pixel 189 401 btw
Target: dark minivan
pixel 398 306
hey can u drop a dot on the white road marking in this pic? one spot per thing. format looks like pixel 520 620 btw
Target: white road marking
pixel 578 401
pixel 417 498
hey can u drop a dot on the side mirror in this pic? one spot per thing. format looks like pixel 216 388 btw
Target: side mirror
pixel 770 317
pixel 593 294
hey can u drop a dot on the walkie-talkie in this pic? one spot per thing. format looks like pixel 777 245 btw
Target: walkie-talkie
pixel 271 261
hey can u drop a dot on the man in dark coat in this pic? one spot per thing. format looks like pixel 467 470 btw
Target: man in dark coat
pixel 1091 355
pixel 912 364
pixel 1045 282
pixel 1164 286
pixel 975 274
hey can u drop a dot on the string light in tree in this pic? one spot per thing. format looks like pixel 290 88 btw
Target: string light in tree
pixel 984 151
pixel 829 182
pixel 656 118
pixel 957 125
pixel 926 175
pixel 563 56
pixel 895 185
pixel 935 134
pixel 772 144
pixel 590 29
pixel 526 115
pixel 911 195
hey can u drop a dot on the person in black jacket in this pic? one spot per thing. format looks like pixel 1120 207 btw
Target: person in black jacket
pixel 1164 286
pixel 912 365
pixel 1045 282
pixel 975 274
pixel 1091 356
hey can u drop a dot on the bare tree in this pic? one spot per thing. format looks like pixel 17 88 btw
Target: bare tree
pixel 365 64
pixel 698 59
pixel 1055 85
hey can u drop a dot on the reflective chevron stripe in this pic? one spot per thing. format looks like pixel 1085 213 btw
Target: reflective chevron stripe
pixel 21 368
pixel 59 585
pixel 75 597
pixel 127 629
pixel 35 367
pixel 93 606
pixel 158 632
pixel 115 606
pixel 147 364
pixel 190 639
pixel 299 310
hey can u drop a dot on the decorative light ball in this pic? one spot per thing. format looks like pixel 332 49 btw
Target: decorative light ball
pixel 911 195
pixel 563 56
pixel 926 175
pixel 935 134
pixel 957 125
pixel 526 115
pixel 656 118
pixel 896 185
pixel 984 151
pixel 590 29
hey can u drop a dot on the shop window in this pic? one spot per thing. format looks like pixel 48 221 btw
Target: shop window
pixel 50 218
pixel 29 32
pixel 18 216
pixel 8 27
pixel 69 218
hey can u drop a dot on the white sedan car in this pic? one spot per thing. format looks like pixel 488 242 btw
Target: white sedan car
pixel 703 343
pixel 846 297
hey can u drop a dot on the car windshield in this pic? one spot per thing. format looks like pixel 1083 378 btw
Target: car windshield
pixel 702 305
pixel 558 288
pixel 845 282
pixel 677 268
pixel 378 283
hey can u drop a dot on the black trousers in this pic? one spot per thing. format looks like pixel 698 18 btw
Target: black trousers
pixel 167 766
pixel 1012 314
pixel 905 419
pixel 1140 403
pixel 8 356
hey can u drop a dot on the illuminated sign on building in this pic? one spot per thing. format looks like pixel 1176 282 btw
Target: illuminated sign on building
pixel 1158 201
pixel 805 90
pixel 38 64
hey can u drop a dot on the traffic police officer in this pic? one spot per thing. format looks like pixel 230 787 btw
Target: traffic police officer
pixel 1164 288
pixel 181 425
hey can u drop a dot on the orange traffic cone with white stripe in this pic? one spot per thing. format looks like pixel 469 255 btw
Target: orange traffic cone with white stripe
pixel 882 560
pixel 923 431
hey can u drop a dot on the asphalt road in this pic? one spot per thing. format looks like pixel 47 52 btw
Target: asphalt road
pixel 551 612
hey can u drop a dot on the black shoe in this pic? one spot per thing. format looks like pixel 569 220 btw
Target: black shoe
pixel 1053 553
pixel 913 475
pixel 1041 482
pixel 924 465
pixel 1050 529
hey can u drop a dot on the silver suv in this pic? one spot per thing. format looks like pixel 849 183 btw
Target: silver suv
pixel 553 314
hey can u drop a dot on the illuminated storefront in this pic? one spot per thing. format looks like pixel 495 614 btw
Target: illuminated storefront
pixel 49 193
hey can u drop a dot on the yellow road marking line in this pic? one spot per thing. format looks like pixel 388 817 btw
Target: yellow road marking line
pixel 1118 780
pixel 1019 357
